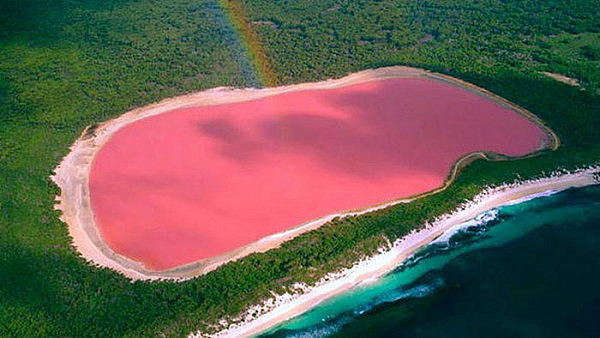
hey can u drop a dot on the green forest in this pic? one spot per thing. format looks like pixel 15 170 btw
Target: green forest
pixel 67 64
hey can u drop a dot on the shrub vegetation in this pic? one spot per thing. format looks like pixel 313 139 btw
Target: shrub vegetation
pixel 68 64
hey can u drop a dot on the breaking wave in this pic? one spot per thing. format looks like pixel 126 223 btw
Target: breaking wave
pixel 457 236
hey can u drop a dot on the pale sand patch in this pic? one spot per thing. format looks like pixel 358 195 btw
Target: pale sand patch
pixel 562 78
pixel 284 307
pixel 73 172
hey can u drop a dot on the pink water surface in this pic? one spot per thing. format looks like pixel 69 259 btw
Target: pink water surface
pixel 198 182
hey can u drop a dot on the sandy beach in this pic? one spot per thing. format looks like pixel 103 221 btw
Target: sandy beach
pixel 284 307
pixel 72 175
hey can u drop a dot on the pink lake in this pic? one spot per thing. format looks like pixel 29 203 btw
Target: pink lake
pixel 198 182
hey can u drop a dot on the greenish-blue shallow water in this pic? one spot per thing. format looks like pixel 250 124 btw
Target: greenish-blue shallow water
pixel 526 270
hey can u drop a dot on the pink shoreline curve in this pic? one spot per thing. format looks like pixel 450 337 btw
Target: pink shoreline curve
pixel 197 182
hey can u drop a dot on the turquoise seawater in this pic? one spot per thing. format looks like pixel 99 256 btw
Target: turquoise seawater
pixel 525 270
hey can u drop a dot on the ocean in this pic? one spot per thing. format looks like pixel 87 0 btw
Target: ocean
pixel 525 270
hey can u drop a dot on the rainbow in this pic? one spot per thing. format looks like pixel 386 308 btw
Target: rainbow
pixel 250 41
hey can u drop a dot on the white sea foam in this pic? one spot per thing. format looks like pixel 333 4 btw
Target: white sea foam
pixel 478 221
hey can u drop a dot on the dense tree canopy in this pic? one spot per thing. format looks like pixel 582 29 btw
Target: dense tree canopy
pixel 71 63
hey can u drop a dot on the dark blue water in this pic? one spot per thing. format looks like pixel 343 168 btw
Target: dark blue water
pixel 526 270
